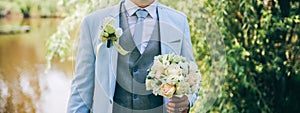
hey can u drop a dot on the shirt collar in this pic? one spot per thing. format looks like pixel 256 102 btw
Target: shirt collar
pixel 131 8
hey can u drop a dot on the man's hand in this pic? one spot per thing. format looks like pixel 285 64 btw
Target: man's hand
pixel 178 105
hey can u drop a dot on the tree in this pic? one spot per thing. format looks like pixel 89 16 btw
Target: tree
pixel 25 6
pixel 262 48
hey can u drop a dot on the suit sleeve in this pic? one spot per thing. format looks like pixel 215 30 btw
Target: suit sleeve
pixel 187 51
pixel 82 88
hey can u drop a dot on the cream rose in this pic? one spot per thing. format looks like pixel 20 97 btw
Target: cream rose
pixel 193 67
pixel 192 79
pixel 158 66
pixel 183 88
pixel 167 90
pixel 173 69
pixel 184 66
pixel 149 84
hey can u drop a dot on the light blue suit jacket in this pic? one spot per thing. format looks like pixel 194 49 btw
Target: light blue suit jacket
pixel 95 75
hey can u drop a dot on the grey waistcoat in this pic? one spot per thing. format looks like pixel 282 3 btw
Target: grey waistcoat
pixel 130 92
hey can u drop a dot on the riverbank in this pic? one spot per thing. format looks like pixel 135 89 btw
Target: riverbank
pixel 24 87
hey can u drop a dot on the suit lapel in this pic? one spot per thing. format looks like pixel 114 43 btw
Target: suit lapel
pixel 170 35
pixel 113 54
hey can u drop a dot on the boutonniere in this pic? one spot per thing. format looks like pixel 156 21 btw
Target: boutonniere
pixel 110 34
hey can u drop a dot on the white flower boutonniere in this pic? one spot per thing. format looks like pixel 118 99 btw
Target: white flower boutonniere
pixel 111 34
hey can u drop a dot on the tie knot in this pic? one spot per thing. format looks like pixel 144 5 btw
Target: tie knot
pixel 141 13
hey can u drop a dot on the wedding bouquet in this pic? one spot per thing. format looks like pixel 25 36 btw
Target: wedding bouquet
pixel 171 75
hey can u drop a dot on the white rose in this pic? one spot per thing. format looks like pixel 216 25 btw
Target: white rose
pixel 157 90
pixel 172 79
pixel 119 32
pixel 195 88
pixel 151 74
pixel 177 58
pixel 157 66
pixel 193 66
pixel 181 78
pixel 183 88
pixel 184 67
pixel 159 75
pixel 165 60
pixel 159 57
pixel 173 69
pixel 192 79
pixel 149 84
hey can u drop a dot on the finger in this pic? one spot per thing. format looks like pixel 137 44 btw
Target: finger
pixel 174 107
pixel 177 99
pixel 184 102
pixel 171 110
pixel 179 103
pixel 174 99
pixel 168 111
pixel 177 106
pixel 171 105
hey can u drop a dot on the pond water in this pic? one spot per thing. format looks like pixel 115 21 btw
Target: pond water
pixel 24 85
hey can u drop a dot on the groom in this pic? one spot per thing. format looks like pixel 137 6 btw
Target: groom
pixel 110 82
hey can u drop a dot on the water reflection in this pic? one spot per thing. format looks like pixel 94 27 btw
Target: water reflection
pixel 24 87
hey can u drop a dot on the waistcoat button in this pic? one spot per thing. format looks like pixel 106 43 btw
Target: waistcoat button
pixel 135 96
pixel 135 69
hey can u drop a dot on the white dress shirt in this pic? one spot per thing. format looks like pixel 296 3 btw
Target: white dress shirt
pixel 149 21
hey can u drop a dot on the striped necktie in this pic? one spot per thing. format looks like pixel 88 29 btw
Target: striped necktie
pixel 138 32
